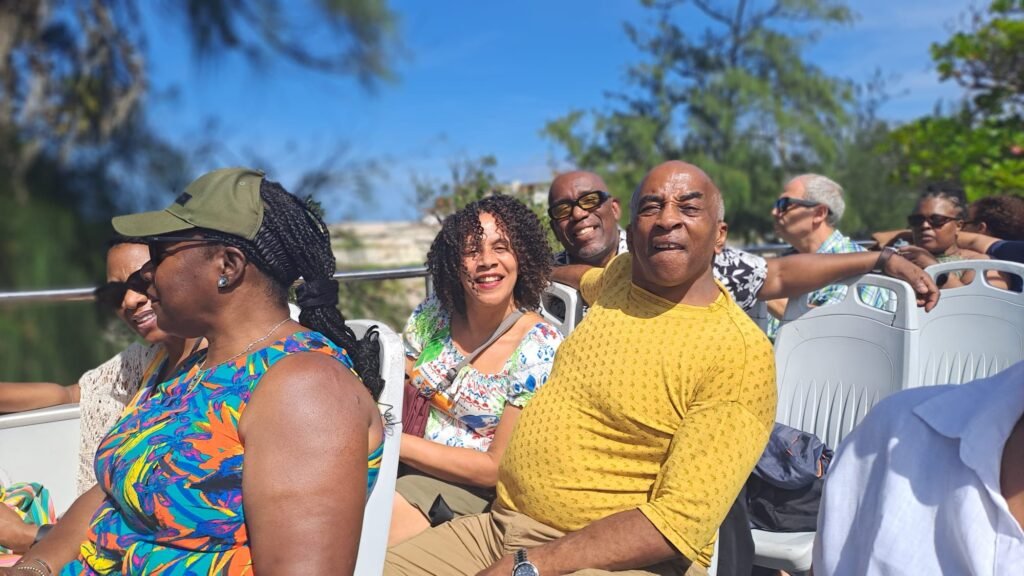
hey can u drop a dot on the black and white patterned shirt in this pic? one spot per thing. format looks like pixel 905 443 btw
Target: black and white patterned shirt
pixel 742 273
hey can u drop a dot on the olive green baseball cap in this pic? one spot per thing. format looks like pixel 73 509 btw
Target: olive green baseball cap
pixel 226 200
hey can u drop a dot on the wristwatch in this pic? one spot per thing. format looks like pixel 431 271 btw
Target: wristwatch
pixel 522 566
pixel 887 253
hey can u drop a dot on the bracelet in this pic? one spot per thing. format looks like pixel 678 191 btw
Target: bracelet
pixel 883 258
pixel 42 532
pixel 23 565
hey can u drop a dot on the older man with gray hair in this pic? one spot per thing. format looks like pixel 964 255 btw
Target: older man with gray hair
pixel 806 215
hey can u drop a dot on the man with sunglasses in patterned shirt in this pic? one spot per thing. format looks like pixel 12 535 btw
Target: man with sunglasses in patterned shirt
pixel 584 217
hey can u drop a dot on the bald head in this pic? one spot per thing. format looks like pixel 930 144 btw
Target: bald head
pixel 570 184
pixel 678 174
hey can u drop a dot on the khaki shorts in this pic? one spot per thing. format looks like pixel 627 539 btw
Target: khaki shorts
pixel 469 544
pixel 421 491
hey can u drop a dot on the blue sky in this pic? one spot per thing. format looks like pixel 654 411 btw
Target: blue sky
pixel 480 78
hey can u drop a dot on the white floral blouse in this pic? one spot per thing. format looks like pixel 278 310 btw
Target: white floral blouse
pixel 465 413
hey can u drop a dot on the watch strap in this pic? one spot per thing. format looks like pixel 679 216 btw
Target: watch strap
pixel 883 258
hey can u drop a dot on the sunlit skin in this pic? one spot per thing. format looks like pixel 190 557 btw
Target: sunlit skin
pixel 490 269
pixel 179 306
pixel 803 227
pixel 589 237
pixel 136 309
pixel 942 240
pixel 675 233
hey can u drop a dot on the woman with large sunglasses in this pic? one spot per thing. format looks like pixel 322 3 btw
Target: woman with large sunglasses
pixel 104 391
pixel 934 226
pixel 489 263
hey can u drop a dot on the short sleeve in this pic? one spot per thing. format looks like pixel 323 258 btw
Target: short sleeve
pixel 531 363
pixel 423 324
pixel 721 437
pixel 742 273
pixel 593 281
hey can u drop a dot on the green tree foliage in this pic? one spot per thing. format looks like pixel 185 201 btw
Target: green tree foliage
pixel 738 99
pixel 980 143
pixel 471 180
pixel 75 147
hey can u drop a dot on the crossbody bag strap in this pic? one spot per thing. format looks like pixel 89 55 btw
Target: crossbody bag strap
pixel 505 325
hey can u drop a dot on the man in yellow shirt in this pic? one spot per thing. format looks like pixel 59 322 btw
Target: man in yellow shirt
pixel 656 410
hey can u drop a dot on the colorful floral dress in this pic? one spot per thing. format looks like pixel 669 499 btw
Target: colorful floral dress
pixel 172 471
pixel 466 413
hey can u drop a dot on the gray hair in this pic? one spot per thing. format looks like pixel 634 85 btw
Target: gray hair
pixel 825 191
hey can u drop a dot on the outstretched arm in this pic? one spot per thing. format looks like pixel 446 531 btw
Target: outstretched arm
pixel 974 241
pixel 570 274
pixel 21 396
pixel 802 273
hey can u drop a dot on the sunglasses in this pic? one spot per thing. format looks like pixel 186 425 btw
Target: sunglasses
pixel 111 295
pixel 590 201
pixel 782 205
pixel 936 220
pixel 157 253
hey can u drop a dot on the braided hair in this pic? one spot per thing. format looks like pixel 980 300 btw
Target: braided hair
pixel 526 237
pixel 949 192
pixel 294 242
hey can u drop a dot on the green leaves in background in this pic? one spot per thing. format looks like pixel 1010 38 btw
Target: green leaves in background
pixel 980 142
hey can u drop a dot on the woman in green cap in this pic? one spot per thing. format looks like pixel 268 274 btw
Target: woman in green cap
pixel 260 457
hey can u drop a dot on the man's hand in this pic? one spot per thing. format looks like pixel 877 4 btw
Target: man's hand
pixel 919 256
pixel 924 286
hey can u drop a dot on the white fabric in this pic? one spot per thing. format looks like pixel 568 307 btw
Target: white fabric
pixel 914 489
pixel 105 391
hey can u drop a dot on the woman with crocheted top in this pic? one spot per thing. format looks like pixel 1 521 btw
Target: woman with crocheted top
pixel 104 391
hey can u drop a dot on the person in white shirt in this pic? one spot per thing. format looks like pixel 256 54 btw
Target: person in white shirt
pixel 931 482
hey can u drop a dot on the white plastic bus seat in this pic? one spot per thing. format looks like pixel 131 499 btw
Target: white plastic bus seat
pixel 42 446
pixel 833 363
pixel 373 542
pixel 562 306
pixel 974 331
pixel 760 315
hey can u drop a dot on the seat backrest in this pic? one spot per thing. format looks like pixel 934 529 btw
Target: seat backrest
pixel 760 315
pixel 42 446
pixel 562 306
pixel 833 363
pixel 373 542
pixel 975 330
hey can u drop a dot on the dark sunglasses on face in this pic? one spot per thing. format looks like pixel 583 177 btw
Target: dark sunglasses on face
pixel 590 201
pixel 111 295
pixel 157 252
pixel 936 220
pixel 782 205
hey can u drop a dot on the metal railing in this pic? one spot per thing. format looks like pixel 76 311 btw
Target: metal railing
pixel 86 294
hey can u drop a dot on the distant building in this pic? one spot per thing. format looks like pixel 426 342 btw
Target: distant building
pixel 360 245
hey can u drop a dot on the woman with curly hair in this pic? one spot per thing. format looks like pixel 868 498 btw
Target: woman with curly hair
pixel 490 260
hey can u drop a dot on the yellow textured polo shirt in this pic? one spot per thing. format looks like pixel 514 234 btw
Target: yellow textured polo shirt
pixel 652 405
